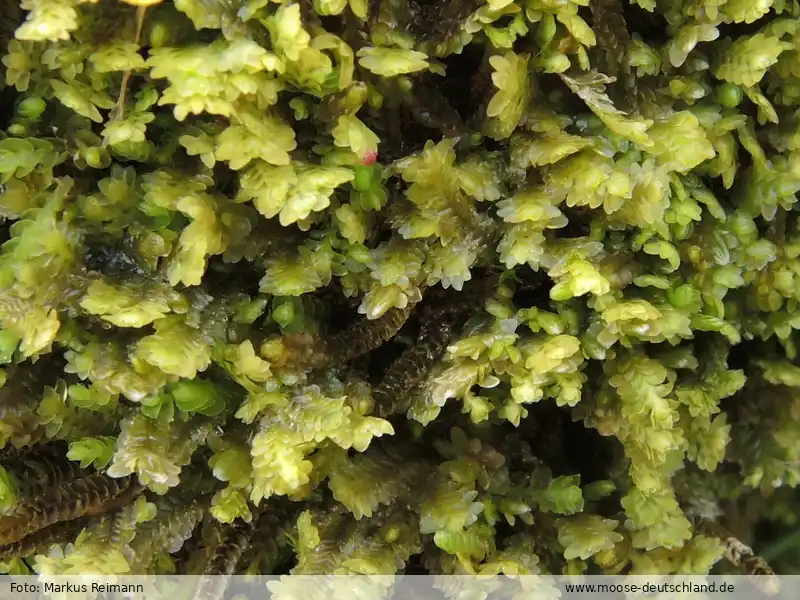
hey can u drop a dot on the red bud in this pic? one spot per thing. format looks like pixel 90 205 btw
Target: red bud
pixel 369 158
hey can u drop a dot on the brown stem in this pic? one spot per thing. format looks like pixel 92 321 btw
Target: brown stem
pixel 126 77
pixel 93 494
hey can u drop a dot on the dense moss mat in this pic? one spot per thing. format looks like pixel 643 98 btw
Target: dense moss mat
pixel 378 286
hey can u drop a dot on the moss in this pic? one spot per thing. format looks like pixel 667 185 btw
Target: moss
pixel 373 287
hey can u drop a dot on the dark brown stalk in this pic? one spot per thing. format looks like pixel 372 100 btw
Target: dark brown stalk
pixel 40 541
pixel 364 336
pixel 737 553
pixel 229 542
pixel 40 468
pixel 269 543
pixel 439 325
pixel 233 540
pixel 93 494
pixel 614 39
pixel 408 371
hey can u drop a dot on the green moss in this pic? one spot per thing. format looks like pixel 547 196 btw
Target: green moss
pixel 363 287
